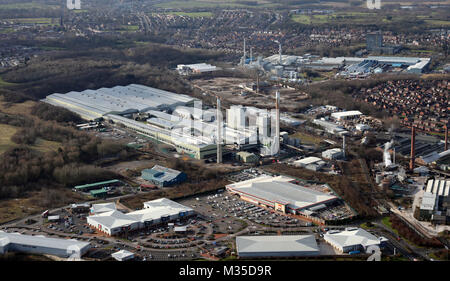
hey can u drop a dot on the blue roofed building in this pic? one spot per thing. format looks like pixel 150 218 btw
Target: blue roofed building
pixel 162 176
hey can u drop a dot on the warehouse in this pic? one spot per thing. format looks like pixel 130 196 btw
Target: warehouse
pixel 186 69
pixel 333 154
pixel 154 213
pixel 162 176
pixel 343 115
pixel 102 208
pixel 123 255
pixel 120 100
pixel 427 206
pixel 277 246
pixel 352 239
pixel 279 193
pixel 310 163
pixel 440 187
pixel 97 185
pixel 16 242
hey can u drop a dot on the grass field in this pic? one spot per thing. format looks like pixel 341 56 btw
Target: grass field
pixel 27 5
pixel 307 139
pixel 6 132
pixel 4 83
pixel 47 21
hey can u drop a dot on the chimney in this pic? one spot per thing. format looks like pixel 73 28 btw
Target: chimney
pixel 343 146
pixel 279 50
pixel 413 149
pixel 277 107
pixel 219 132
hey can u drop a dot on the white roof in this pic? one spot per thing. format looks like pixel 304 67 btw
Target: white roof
pixel 439 187
pixel 341 114
pixel 265 245
pixel 122 254
pixel 180 228
pixel 113 219
pixel 351 237
pixel 308 160
pixel 104 207
pixel 119 99
pixel 41 241
pixel 279 189
pixel 428 201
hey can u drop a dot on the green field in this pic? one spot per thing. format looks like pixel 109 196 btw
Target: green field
pixel 4 83
pixel 47 21
pixel 6 132
pixel 27 5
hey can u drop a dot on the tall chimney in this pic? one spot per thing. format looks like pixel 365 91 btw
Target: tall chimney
pixel 277 107
pixel 343 145
pixel 219 132
pixel 279 50
pixel 393 156
pixel 251 55
pixel 245 54
pixel 446 137
pixel 413 148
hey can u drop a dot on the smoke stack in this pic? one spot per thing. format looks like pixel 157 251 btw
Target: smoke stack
pixel 245 55
pixel 219 132
pixel 413 148
pixel 277 107
pixel 393 157
pixel 279 50
pixel 343 146
pixel 251 55
pixel 446 137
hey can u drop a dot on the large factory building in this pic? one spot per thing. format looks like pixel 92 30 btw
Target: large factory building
pixel 281 194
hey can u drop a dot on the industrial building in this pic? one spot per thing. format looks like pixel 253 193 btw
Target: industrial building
pixel 352 239
pixel 427 206
pixel 97 185
pixel 155 212
pixel 276 246
pixel 280 193
pixel 375 44
pixel 162 176
pixel 102 208
pixel 123 255
pixel 440 187
pixel 344 115
pixel 186 69
pixel 247 157
pixel 331 127
pixel 310 163
pixel 65 248
pixel 333 154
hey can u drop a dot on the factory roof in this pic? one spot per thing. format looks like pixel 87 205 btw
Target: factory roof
pixel 96 184
pixel 344 114
pixel 119 99
pixel 202 67
pixel 167 204
pixel 279 189
pixel 113 219
pixel 350 237
pixel 440 187
pixel 308 160
pixel 428 201
pixel 122 254
pixel 103 207
pixel 276 244
pixel 40 241
pixel 160 173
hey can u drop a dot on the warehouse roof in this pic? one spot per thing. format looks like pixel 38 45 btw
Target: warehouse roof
pixel 119 99
pixel 439 187
pixel 428 201
pixel 344 114
pixel 276 244
pixel 40 241
pixel 96 184
pixel 308 160
pixel 279 189
pixel 113 219
pixel 122 255
pixel 104 207
pixel 167 204
pixel 160 173
pixel 350 237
